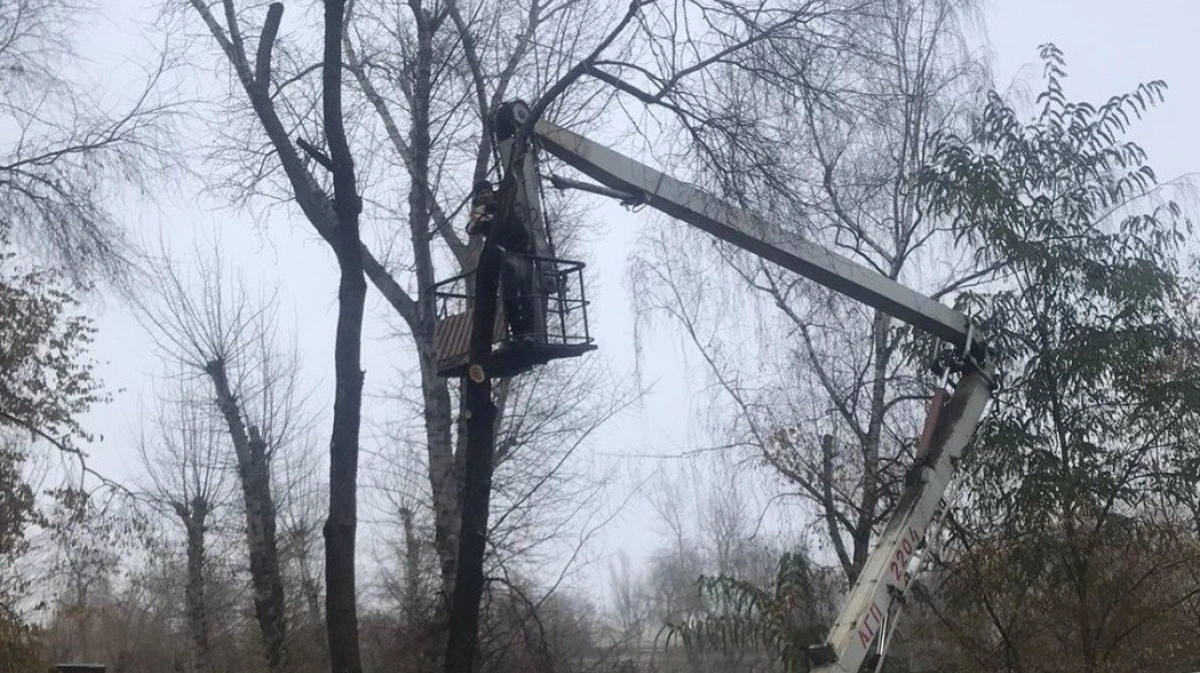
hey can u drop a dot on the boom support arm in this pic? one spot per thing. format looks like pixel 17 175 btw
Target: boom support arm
pixel 876 595
pixel 754 234
pixel 875 598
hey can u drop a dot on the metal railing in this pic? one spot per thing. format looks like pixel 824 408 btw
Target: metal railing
pixel 556 296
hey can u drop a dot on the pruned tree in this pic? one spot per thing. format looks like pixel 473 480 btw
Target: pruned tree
pixel 185 459
pixel 428 77
pixel 207 325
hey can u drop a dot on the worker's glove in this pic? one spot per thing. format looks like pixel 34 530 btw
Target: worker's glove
pixel 481 217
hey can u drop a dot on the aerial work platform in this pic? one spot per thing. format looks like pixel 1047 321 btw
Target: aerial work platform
pixel 559 327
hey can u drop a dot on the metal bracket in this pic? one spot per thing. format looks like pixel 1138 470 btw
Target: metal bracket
pixel 627 199
pixel 973 354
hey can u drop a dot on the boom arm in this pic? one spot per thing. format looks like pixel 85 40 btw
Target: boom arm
pixel 878 591
pixel 753 234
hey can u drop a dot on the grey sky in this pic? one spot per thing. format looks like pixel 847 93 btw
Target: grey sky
pixel 1110 46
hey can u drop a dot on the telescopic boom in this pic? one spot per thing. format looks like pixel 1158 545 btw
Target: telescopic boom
pixel 871 608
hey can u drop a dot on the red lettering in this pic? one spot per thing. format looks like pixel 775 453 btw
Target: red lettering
pixel 865 636
pixel 866 632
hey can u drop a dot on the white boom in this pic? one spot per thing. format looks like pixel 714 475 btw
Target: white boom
pixel 880 586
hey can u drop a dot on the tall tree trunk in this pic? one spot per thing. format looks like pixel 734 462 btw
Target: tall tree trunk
pixel 867 512
pixel 341 606
pixel 264 555
pixel 254 473
pixel 480 413
pixel 443 475
pixel 193 518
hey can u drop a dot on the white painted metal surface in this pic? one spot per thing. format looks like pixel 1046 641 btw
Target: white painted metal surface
pixel 885 576
pixel 754 234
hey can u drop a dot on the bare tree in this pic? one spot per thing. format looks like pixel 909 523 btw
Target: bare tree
pixel 428 82
pixel 1060 599
pixel 838 414
pixel 184 459
pixel 725 590
pixel 629 604
pixel 69 145
pixel 88 544
pixel 461 68
pixel 547 506
pixel 299 489
pixel 207 324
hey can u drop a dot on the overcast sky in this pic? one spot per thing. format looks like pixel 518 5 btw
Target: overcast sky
pixel 1110 46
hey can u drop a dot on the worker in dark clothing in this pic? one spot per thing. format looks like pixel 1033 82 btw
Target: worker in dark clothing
pixel 516 274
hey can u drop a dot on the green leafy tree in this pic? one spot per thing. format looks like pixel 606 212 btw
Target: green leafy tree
pixel 780 621
pixel 1097 417
pixel 19 642
pixel 1084 318
pixel 17 503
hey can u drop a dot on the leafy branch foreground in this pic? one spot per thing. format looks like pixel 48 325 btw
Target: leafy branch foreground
pixel 1081 485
